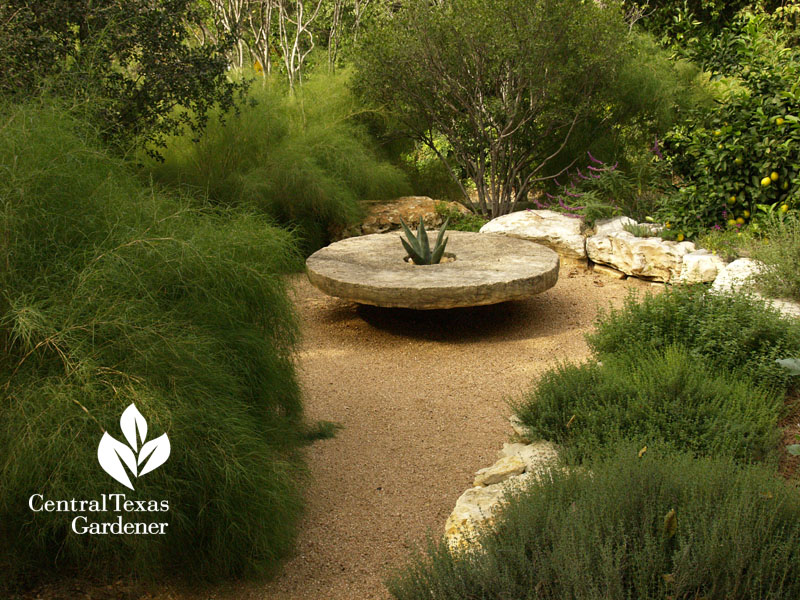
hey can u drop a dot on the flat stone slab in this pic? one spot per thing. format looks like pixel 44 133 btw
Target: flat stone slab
pixel 487 269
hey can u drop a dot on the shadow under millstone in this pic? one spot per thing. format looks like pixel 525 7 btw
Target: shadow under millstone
pixel 545 314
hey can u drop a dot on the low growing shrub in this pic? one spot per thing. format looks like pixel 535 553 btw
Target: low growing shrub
pixel 647 528
pixel 734 332
pixel 779 251
pixel 116 294
pixel 460 221
pixel 659 398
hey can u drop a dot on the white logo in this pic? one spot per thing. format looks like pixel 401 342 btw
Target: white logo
pixel 112 454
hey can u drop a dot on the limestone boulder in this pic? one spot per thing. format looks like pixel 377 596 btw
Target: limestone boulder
pixel 649 258
pixel 505 468
pixel 549 228
pixel 386 216
pixel 738 276
pixel 700 267
pixel 735 276
pixel 607 226
pixel 473 507
pixel 538 457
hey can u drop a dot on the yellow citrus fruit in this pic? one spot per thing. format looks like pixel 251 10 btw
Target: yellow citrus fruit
pixel 746 214
pixel 732 200
pixel 766 181
pixel 785 185
pixel 784 207
pixel 667 225
pixel 680 237
pixel 739 161
pixel 720 146
pixel 740 220
pixel 731 222
pixel 774 176
pixel 779 121
pixel 717 133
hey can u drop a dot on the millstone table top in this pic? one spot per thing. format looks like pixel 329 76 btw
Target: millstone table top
pixel 487 269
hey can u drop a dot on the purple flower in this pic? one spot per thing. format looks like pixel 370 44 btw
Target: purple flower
pixel 593 159
pixel 656 150
pixel 581 175
pixel 573 195
pixel 716 227
pixel 595 169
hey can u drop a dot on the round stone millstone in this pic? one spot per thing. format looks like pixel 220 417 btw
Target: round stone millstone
pixel 487 269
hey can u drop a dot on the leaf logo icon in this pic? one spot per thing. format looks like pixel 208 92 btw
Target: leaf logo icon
pixel 139 456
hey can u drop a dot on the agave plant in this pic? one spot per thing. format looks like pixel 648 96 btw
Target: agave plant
pixel 418 247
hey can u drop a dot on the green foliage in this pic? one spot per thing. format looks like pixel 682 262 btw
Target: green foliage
pixel 741 158
pixel 601 191
pixel 734 332
pixel 538 67
pixel 418 246
pixel 303 160
pixel 729 244
pixel 458 220
pixel 664 397
pixel 130 62
pixel 600 533
pixel 779 252
pixel 638 230
pixel 115 293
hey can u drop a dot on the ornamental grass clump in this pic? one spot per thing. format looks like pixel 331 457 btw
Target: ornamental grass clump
pixel 735 332
pixel 418 246
pixel 651 527
pixel 659 398
pixel 117 294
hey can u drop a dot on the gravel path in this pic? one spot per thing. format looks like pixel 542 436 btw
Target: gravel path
pixel 422 399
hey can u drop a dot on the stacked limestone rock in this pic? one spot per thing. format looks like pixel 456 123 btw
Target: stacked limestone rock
pixel 518 462
pixel 609 244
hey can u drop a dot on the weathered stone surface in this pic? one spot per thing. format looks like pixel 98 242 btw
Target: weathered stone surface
pixel 608 226
pixel 386 216
pixel 552 229
pixel 700 267
pixel 505 467
pixel 609 272
pixel 473 507
pixel 736 275
pixel 478 504
pixel 649 258
pixel 487 269
pixel 538 456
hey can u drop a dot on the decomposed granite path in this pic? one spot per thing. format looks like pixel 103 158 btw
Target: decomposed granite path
pixel 422 400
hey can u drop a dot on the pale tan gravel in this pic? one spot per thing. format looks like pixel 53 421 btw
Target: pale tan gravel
pixel 422 398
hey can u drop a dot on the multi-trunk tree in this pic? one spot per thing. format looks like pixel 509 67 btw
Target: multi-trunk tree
pixel 506 83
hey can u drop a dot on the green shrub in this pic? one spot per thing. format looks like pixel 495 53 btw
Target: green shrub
pixel 115 293
pixel 656 398
pixel 729 243
pixel 600 534
pixel 733 332
pixel 303 160
pixel 459 221
pixel 779 251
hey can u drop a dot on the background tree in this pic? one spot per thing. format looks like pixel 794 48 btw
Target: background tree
pixel 506 83
pixel 131 57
